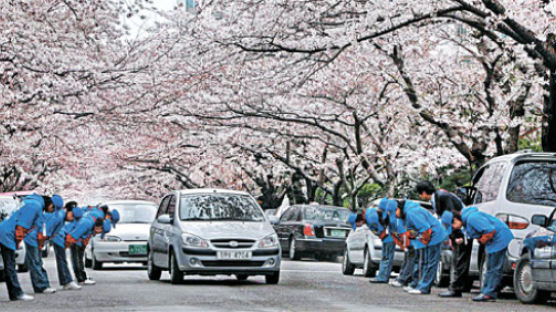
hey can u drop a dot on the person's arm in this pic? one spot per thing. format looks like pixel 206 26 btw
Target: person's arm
pixel 422 229
pixel 80 229
pixel 483 227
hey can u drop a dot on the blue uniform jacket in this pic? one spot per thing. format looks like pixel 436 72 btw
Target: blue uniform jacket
pixel 477 223
pixel 371 218
pixel 85 226
pixel 26 217
pixel 420 220
pixel 60 238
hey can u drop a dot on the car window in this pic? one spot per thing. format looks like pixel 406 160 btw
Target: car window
pixel 488 184
pixel 135 213
pixel 163 209
pixel 325 214
pixel 286 216
pixel 533 183
pixel 224 207
pixel 552 225
pixel 172 206
pixel 298 216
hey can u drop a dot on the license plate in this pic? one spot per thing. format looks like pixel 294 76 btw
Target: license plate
pixel 337 233
pixel 137 250
pixel 233 255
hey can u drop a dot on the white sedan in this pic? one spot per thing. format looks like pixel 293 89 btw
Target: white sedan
pixel 128 241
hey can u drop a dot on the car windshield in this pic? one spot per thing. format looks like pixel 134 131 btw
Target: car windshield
pixel 533 183
pixel 219 207
pixel 135 213
pixel 325 214
pixel 7 206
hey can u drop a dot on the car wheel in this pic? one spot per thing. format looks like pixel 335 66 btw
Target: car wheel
pixel 176 276
pixel 293 253
pixel 368 268
pixel 347 267
pixel 273 278
pixel 97 265
pixel 152 271
pixel 440 280
pixel 242 277
pixel 524 285
pixel 22 268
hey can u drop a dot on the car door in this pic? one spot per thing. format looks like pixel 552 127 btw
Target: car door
pixel 168 230
pixel 156 235
pixel 356 243
pixel 281 228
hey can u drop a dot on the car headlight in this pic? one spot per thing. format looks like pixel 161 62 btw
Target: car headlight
pixel 190 240
pixel 270 241
pixel 112 238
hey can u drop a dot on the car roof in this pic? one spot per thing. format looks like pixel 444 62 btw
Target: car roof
pixel 210 191
pixel 523 155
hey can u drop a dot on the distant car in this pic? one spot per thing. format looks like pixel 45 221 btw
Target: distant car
pixel 9 204
pixel 535 273
pixel 364 251
pixel 210 232
pixel 128 241
pixel 313 231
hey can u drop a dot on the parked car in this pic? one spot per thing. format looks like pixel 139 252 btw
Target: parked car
pixel 210 232
pixel 9 204
pixel 364 251
pixel 513 188
pixel 535 273
pixel 313 231
pixel 128 241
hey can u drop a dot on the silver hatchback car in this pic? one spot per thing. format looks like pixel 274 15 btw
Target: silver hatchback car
pixel 210 232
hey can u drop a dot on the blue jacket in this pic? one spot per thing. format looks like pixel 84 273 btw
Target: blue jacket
pixel 372 220
pixel 26 217
pixel 477 223
pixel 60 238
pixel 31 237
pixel 420 220
pixel 85 226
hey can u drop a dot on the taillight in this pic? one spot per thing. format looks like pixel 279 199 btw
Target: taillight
pixel 308 230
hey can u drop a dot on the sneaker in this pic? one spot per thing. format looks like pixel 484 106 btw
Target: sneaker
pixel 88 282
pixel 408 288
pixel 417 292
pixel 483 298
pixel 396 283
pixel 25 297
pixel 71 286
pixel 49 290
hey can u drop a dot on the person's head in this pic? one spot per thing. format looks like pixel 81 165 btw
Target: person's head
pixel 48 205
pixel 457 222
pixel 425 189
pixel 99 225
pixel 70 205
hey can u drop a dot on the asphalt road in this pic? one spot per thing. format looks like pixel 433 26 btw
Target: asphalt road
pixel 305 286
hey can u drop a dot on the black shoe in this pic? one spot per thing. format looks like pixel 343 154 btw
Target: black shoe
pixel 483 298
pixel 450 294
pixel 376 281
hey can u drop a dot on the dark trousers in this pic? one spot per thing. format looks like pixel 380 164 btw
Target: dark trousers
pixel 77 256
pixel 407 268
pixel 431 256
pixel 39 277
pixel 10 274
pixel 417 268
pixel 494 273
pixel 459 268
pixel 64 275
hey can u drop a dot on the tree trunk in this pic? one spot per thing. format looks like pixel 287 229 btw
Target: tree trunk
pixel 549 122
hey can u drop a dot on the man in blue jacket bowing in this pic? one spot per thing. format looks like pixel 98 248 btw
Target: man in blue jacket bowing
pixel 12 232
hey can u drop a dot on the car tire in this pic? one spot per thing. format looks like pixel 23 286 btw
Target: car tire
pixel 292 250
pixel 368 268
pixel 524 286
pixel 347 267
pixel 153 271
pixel 242 277
pixel 273 278
pixel 97 265
pixel 441 280
pixel 22 268
pixel 176 276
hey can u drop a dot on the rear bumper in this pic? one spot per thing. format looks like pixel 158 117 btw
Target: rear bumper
pixel 327 245
pixel 117 252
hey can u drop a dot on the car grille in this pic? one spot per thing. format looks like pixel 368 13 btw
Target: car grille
pixel 233 243
pixel 231 263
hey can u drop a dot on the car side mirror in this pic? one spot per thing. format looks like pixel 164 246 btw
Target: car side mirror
pixel 164 219
pixel 539 220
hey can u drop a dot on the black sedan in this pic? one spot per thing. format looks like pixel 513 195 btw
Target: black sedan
pixel 313 231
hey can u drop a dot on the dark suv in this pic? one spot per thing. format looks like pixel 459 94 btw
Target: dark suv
pixel 513 188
